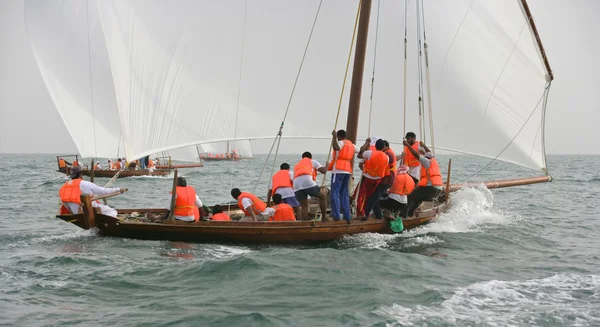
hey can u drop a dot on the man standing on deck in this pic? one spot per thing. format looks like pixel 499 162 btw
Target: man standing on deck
pixel 71 191
pixel 305 185
pixel 430 183
pixel 375 165
pixel 254 208
pixel 282 184
pixel 341 171
pixel 187 202
pixel 414 167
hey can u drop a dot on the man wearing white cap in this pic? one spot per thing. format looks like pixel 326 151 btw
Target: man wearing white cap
pixel 402 187
pixel 430 184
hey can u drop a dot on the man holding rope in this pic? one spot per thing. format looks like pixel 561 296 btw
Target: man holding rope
pixel 71 191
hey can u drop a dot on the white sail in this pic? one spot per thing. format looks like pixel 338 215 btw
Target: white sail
pixel 74 65
pixel 176 68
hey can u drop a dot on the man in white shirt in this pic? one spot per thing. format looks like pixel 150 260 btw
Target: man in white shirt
pixel 282 183
pixel 184 202
pixel 305 185
pixel 69 193
pixel 254 208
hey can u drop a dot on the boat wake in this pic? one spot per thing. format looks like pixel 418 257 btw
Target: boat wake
pixel 562 299
pixel 224 252
pixel 70 237
pixel 471 211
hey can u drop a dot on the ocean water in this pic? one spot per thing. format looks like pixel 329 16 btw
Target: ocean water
pixel 524 256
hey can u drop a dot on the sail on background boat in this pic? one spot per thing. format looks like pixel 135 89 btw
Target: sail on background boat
pixel 176 78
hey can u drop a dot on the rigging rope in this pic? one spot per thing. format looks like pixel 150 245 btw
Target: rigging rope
pixel 543 98
pixel 420 72
pixel 429 104
pixel 287 109
pixel 405 64
pixel 373 75
pixel 87 13
pixel 237 109
pixel 337 116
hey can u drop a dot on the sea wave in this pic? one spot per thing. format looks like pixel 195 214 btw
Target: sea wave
pixel 564 299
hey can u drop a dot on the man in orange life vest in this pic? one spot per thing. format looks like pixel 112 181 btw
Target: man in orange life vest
pixel 341 172
pixel 71 191
pixel 62 164
pixel 414 167
pixel 282 183
pixel 402 187
pixel 375 165
pixel 187 202
pixel 254 208
pixel 430 182
pixel 219 215
pixel 283 212
pixel 305 185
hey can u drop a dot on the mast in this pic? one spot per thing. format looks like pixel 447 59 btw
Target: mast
pixel 358 70
pixel 538 40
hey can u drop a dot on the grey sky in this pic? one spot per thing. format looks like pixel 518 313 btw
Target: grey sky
pixel 29 123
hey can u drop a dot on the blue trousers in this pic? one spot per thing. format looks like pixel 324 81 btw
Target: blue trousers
pixel 339 195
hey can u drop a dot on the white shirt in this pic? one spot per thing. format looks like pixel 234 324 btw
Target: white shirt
pixel 304 182
pixel 336 171
pixel 98 167
pixel 246 203
pixel 367 155
pixel 285 192
pixel 93 190
pixel 413 171
pixel 398 197
pixel 185 218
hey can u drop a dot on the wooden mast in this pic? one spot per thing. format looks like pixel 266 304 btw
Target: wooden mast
pixel 358 70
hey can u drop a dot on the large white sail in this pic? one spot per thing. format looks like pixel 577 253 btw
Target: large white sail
pixel 176 68
pixel 68 44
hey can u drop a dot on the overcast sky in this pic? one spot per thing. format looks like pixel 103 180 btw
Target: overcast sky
pixel 29 123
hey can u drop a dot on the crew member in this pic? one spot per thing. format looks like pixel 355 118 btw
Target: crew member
pixel 283 211
pixel 71 191
pixel 375 165
pixel 219 215
pixel 414 167
pixel 254 208
pixel 397 195
pixel 282 183
pixel 305 176
pixel 187 202
pixel 341 172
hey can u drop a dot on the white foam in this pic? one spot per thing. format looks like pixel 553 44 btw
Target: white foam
pixel 471 211
pixel 382 241
pixel 502 303
pixel 225 252
pixel 54 238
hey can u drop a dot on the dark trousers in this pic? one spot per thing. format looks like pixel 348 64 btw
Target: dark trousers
pixel 416 197
pixel 373 201
pixel 391 204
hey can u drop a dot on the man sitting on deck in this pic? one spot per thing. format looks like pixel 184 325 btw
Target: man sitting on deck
pixel 254 208
pixel 282 184
pixel 71 191
pixel 283 211
pixel 305 176
pixel 430 183
pixel 97 166
pixel 219 215
pixel 187 202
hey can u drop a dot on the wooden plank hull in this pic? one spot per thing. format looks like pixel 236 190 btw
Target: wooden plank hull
pixel 237 232
pixel 125 173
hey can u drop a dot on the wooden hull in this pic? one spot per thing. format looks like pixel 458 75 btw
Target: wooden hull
pixel 237 232
pixel 126 173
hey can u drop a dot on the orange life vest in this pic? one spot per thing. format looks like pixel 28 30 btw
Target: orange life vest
pixel 377 164
pixel 257 205
pixel 343 161
pixel 117 166
pixel 281 179
pixel 392 166
pixel 433 173
pixel 61 163
pixel 150 163
pixel 221 216
pixel 305 167
pixel 69 192
pixel 403 185
pixel 75 163
pixel 185 202
pixel 409 159
pixel 283 212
